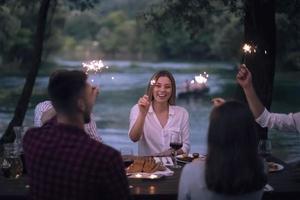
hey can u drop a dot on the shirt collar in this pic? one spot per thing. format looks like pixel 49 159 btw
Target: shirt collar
pixel 171 110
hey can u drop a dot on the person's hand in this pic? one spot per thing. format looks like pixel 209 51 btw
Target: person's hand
pixel 244 77
pixel 217 101
pixel 144 104
pixel 47 115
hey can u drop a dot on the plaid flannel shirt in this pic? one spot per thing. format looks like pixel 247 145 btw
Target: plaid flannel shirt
pixel 64 163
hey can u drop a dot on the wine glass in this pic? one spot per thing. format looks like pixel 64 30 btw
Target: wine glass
pixel 264 148
pixel 176 144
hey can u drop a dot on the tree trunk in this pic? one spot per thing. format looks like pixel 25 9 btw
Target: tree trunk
pixel 260 30
pixel 23 101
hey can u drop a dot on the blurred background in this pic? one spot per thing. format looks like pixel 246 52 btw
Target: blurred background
pixel 117 32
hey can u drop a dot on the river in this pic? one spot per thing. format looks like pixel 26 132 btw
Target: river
pixel 119 94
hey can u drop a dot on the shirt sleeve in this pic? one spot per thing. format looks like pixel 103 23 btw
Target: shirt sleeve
pixel 133 116
pixel 186 132
pixel 91 129
pixel 39 110
pixel 282 122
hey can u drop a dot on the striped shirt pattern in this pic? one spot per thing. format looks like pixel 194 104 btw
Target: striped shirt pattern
pixel 90 128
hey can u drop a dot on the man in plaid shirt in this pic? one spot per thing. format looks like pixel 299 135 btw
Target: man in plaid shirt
pixel 63 162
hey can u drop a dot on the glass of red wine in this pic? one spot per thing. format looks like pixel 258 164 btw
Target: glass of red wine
pixel 176 144
pixel 127 156
pixel 264 148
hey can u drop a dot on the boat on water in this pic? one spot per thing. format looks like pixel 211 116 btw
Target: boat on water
pixel 198 92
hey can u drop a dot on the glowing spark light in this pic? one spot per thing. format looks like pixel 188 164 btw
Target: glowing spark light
pixel 94 66
pixel 247 49
pixel 152 82
pixel 201 79
pixel 93 69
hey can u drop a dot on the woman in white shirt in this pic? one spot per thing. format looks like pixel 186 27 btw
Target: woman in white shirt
pixel 233 168
pixel 155 117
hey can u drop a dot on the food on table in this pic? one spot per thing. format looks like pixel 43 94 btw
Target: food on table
pixel 145 164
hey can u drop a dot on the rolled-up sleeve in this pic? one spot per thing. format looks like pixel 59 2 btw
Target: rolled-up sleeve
pixel 39 110
pixel 282 122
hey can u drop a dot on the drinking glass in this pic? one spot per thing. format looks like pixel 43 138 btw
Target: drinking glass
pixel 12 166
pixel 264 148
pixel 176 144
pixel 127 156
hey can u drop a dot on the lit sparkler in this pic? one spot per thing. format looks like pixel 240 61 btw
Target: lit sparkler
pixel 247 49
pixel 93 69
pixel 152 82
pixel 202 78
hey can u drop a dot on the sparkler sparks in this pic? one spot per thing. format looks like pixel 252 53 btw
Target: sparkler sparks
pixel 202 79
pixel 247 49
pixel 152 82
pixel 94 66
pixel 93 69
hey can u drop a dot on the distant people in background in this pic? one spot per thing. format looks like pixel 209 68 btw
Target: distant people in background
pixel 155 117
pixel 44 112
pixel 233 168
pixel 63 162
pixel 282 122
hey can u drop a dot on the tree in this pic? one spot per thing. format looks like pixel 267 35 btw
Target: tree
pixel 259 30
pixel 37 53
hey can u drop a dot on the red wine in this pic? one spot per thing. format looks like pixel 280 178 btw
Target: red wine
pixel 175 146
pixel 127 162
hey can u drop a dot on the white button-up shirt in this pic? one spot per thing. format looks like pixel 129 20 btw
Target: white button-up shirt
pixel 156 138
pixel 282 122
pixel 90 128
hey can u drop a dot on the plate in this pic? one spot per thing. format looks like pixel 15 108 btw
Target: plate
pixel 268 188
pixel 183 158
pixel 146 176
pixel 274 167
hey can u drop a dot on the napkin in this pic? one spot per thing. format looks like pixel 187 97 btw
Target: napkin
pixel 166 161
pixel 166 172
pixel 268 188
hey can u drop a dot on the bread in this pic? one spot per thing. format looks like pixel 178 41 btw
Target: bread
pixel 145 164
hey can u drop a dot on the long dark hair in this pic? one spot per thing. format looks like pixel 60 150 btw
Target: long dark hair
pixel 233 165
pixel 155 77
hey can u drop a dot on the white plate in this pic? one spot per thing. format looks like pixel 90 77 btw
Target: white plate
pixel 278 167
pixel 179 158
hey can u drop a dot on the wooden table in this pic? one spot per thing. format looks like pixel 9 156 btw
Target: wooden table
pixel 286 184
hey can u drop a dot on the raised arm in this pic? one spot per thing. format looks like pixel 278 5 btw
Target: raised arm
pixel 244 78
pixel 137 123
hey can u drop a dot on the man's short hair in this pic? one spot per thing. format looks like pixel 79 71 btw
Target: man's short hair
pixel 65 87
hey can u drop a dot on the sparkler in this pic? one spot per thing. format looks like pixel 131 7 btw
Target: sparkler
pixel 202 79
pixel 93 69
pixel 247 49
pixel 150 91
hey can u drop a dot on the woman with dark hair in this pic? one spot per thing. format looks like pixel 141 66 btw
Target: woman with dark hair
pixel 155 118
pixel 233 168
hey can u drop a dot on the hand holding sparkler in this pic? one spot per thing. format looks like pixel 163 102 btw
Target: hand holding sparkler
pixel 244 77
pixel 144 104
